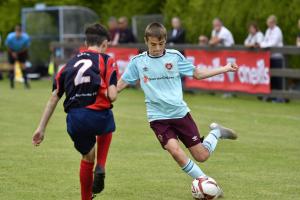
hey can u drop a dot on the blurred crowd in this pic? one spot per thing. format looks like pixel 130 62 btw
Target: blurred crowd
pixel 220 34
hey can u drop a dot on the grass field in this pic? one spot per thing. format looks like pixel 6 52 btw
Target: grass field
pixel 264 163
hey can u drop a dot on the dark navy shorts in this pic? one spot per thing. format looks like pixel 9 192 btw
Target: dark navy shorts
pixel 21 57
pixel 84 124
pixel 184 129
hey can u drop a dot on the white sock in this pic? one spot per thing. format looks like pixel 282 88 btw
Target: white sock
pixel 193 169
pixel 211 140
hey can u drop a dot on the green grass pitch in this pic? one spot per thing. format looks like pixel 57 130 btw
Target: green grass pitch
pixel 264 163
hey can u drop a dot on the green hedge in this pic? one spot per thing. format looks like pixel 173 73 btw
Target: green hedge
pixel 197 16
pixel 10 10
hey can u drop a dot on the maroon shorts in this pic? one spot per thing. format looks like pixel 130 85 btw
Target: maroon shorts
pixel 183 129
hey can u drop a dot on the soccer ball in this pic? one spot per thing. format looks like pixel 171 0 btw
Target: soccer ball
pixel 205 188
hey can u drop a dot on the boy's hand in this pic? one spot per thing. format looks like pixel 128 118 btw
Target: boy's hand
pixel 38 137
pixel 231 67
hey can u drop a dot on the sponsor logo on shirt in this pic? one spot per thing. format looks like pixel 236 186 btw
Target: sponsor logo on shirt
pixel 147 79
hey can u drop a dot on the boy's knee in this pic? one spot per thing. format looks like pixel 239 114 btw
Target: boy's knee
pixel 174 151
pixel 89 157
pixel 202 157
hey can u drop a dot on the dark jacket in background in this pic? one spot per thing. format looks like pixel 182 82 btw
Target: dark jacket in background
pixel 179 38
pixel 126 36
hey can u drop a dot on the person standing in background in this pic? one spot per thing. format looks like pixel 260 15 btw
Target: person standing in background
pixel 177 34
pixel 1 76
pixel 126 35
pixel 17 44
pixel 274 38
pixel 202 40
pixel 298 37
pixel 255 36
pixel 220 35
pixel 273 35
pixel 113 30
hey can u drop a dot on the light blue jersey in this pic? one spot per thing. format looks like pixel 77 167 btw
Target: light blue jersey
pixel 160 79
pixel 17 44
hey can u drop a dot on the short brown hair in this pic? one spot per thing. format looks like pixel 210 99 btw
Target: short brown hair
pixel 96 34
pixel 254 24
pixel 157 30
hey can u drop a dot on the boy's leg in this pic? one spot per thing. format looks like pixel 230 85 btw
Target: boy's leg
pixel 11 76
pixel 86 175
pixel 187 165
pixel 22 57
pixel 103 144
pixel 165 132
pixel 24 73
pixel 201 152
pixel 186 130
pixel 11 72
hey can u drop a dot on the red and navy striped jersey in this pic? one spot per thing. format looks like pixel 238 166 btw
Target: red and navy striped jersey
pixel 85 80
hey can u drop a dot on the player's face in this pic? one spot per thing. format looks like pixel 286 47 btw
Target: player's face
pixel 156 47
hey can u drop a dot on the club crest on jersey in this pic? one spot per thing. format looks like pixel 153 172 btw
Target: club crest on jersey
pixel 146 79
pixel 169 66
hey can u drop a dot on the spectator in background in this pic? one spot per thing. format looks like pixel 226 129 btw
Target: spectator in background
pixel 1 76
pixel 273 36
pixel 255 36
pixel 298 37
pixel 126 35
pixel 220 35
pixel 203 40
pixel 17 44
pixel 113 30
pixel 177 34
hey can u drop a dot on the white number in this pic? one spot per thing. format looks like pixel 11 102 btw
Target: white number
pixel 79 79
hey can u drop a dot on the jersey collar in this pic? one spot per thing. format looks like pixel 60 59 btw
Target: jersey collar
pixel 156 56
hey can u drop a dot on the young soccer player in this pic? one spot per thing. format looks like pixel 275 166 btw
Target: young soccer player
pixel 159 71
pixel 89 81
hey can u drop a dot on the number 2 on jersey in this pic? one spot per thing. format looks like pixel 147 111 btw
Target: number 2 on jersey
pixel 79 79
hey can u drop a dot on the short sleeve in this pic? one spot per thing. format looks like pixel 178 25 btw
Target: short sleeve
pixel 247 40
pixel 260 37
pixel 7 41
pixel 185 67
pixel 223 35
pixel 112 72
pixel 131 74
pixel 58 83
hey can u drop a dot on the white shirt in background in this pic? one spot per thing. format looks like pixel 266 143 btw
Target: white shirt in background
pixel 252 40
pixel 273 38
pixel 225 35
